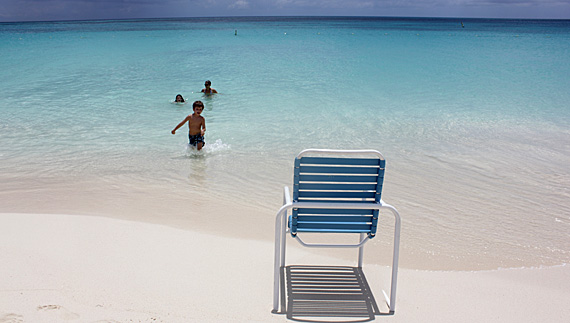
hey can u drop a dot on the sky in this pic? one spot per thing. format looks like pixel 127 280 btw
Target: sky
pixel 50 10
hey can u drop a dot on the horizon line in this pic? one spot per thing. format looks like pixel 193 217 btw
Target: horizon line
pixel 274 16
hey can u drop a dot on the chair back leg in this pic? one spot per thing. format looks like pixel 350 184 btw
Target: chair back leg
pixel 360 251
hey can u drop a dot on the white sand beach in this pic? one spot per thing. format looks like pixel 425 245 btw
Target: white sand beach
pixel 74 268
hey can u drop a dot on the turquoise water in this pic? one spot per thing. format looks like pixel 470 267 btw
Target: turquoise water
pixel 474 122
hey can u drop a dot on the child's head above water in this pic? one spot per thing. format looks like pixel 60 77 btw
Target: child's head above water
pixel 199 105
pixel 179 98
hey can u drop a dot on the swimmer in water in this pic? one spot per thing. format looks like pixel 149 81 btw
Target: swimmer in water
pixel 179 99
pixel 208 89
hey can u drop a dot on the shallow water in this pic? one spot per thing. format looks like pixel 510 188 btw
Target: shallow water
pixel 474 122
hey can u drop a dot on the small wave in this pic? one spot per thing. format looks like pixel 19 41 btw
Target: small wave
pixel 209 149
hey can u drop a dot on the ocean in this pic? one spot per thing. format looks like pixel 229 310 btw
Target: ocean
pixel 474 123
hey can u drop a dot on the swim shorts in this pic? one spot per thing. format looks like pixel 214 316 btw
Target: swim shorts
pixel 195 139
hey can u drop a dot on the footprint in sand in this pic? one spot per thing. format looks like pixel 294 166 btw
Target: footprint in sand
pixel 11 318
pixel 61 312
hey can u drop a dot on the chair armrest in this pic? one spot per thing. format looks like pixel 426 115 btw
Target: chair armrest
pixel 388 206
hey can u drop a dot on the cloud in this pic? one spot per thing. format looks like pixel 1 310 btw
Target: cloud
pixel 239 4
pixel 320 3
pixel 26 10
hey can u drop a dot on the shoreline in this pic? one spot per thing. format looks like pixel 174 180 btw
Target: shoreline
pixel 188 206
pixel 89 268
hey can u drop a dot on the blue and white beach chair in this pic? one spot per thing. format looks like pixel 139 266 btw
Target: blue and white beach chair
pixel 334 191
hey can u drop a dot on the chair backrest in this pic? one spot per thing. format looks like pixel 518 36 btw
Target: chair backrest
pixel 333 180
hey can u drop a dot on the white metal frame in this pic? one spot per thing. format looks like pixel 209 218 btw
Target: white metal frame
pixel 281 231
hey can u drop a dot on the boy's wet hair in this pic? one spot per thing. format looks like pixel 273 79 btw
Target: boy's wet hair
pixel 197 104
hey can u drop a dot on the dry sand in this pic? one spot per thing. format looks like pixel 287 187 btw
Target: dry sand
pixel 59 268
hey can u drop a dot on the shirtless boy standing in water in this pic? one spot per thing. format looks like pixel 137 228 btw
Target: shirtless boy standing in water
pixel 196 126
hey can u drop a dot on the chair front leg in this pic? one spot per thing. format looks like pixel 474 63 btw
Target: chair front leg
pixel 395 256
pixel 279 261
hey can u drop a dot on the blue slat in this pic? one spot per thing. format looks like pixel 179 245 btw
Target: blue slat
pixel 333 230
pixel 338 170
pixel 335 201
pixel 338 187
pixel 332 225
pixel 334 218
pixel 337 178
pixel 333 211
pixel 328 194
pixel 341 161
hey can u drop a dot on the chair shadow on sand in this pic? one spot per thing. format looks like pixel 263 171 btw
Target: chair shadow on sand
pixel 327 294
